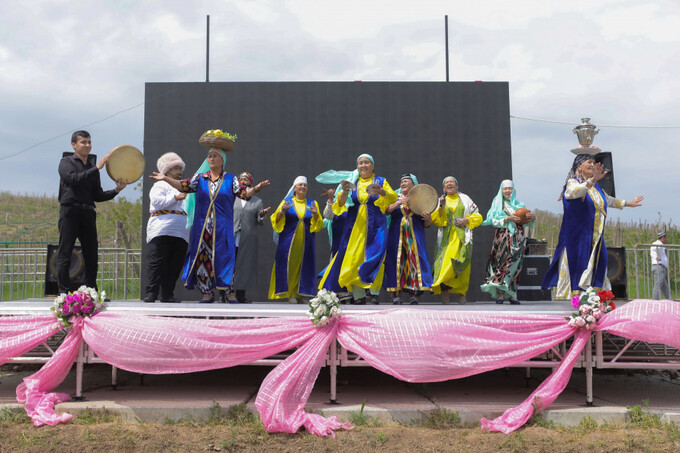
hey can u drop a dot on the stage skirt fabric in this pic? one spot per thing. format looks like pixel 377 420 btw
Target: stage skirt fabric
pixel 414 345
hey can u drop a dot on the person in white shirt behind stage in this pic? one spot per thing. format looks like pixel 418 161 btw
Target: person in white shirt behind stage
pixel 660 268
pixel 166 233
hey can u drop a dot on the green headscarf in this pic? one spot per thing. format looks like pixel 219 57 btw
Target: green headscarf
pixel 496 210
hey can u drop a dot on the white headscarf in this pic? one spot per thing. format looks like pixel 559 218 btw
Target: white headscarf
pixel 298 180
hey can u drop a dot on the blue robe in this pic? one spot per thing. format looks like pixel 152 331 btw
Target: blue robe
pixel 376 243
pixel 576 237
pixel 307 285
pixel 394 243
pixel 223 243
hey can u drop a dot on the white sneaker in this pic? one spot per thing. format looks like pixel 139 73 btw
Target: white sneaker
pixel 292 300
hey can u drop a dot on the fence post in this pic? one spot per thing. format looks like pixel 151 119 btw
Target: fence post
pixel 125 274
pixel 637 274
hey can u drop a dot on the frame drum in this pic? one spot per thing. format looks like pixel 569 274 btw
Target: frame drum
pixel 126 163
pixel 423 199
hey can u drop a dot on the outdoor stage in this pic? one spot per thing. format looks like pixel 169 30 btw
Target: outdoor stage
pixel 456 334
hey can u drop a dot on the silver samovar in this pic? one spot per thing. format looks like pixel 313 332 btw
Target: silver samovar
pixel 586 132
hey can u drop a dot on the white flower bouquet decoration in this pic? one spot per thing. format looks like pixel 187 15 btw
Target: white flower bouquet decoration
pixel 84 302
pixel 591 306
pixel 323 307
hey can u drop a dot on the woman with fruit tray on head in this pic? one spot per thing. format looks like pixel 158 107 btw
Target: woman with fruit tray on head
pixel 509 241
pixel 580 259
pixel 210 208
pixel 358 266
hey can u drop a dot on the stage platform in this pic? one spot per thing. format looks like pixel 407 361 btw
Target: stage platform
pixel 609 351
pixel 280 309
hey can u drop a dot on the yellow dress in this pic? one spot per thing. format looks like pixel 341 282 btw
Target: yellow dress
pixel 454 251
pixel 296 251
pixel 355 253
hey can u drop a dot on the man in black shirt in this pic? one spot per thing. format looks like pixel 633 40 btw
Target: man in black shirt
pixel 79 188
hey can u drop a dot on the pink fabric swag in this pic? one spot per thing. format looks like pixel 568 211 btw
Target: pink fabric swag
pixel 414 345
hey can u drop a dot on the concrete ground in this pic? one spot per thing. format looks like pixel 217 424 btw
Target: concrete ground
pixel 157 398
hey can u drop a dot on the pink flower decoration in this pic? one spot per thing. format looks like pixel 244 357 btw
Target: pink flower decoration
pixel 575 301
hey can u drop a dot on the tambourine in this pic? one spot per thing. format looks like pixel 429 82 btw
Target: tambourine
pixel 126 163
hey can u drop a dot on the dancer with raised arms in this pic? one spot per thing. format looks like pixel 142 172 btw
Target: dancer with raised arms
pixel 580 259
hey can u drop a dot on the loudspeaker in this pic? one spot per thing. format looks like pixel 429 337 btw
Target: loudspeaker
pixel 534 268
pixel 536 247
pixel 76 270
pixel 607 183
pixel 616 271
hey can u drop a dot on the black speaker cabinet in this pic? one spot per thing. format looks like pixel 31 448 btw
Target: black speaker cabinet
pixel 536 247
pixel 616 271
pixel 76 270
pixel 607 183
pixel 534 268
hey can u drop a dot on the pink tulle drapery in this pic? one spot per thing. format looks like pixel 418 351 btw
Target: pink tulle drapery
pixel 415 345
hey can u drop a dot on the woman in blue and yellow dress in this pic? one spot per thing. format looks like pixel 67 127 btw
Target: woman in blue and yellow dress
pixel 358 267
pixel 210 206
pixel 296 221
pixel 456 217
pixel 407 267
pixel 580 259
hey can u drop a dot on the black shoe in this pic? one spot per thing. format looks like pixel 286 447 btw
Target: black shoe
pixel 170 300
pixel 209 301
pixel 148 299
pixel 106 299
pixel 515 302
pixel 373 300
pixel 361 301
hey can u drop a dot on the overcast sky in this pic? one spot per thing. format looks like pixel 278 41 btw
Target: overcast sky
pixel 65 65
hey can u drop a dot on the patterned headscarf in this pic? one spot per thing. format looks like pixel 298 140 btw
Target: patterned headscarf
pixel 246 175
pixel 410 176
pixel 578 160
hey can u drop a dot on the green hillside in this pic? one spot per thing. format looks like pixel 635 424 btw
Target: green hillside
pixel 31 221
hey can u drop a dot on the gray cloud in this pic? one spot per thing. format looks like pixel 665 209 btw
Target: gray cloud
pixel 67 64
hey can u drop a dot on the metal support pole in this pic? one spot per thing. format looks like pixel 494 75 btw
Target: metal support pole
pixel 446 37
pixel 334 371
pixel 79 373
pixel 637 274
pixel 599 354
pixel 527 375
pixel 589 371
pixel 114 377
pixel 207 48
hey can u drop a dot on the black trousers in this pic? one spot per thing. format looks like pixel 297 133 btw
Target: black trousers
pixel 77 222
pixel 166 256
